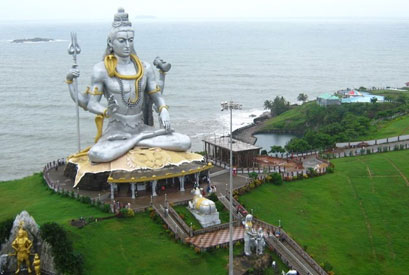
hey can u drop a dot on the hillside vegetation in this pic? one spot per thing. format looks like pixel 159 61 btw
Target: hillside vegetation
pixel 321 127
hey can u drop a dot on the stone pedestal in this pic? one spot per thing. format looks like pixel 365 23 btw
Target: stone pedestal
pixel 206 220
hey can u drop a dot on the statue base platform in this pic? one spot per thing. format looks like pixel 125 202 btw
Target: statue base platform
pixel 206 220
pixel 138 165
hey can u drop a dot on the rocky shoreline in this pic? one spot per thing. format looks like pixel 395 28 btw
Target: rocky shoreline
pixel 246 133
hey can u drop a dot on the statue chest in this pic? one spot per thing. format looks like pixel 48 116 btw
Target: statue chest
pixel 128 93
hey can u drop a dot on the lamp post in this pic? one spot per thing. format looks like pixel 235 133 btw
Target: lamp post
pixel 231 106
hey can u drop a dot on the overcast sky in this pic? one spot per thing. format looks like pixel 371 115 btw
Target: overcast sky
pixel 84 10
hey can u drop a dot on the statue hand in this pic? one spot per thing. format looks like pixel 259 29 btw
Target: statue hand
pixel 112 106
pixel 165 118
pixel 73 73
pixel 161 64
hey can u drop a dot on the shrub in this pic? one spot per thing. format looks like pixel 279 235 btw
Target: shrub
pixel 126 212
pixel 66 261
pixel 276 178
pixel 330 169
pixel 105 208
pixel 253 175
pixel 5 228
pixel 327 266
pixel 213 197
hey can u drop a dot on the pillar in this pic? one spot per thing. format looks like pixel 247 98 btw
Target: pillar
pixel 112 191
pixel 182 183
pixel 154 188
pixel 197 177
pixel 133 190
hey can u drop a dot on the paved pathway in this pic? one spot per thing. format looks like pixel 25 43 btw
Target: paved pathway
pixel 219 237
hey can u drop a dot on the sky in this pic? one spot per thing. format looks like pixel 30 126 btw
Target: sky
pixel 92 10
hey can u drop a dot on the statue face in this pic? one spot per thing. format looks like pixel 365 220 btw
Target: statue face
pixel 123 43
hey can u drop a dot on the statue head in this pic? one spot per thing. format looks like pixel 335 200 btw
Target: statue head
pixel 120 38
pixel 21 233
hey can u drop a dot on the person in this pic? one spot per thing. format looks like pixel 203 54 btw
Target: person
pixel 130 87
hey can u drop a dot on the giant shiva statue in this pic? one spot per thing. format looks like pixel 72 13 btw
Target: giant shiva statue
pixel 130 87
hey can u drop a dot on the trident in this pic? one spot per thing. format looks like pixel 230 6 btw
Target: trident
pixel 74 49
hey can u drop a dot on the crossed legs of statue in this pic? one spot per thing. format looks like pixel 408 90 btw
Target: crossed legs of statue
pixel 108 149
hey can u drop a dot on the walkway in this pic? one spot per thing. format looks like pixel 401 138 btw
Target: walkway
pixel 219 237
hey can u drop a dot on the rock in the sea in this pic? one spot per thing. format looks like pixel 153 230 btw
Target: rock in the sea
pixel 36 39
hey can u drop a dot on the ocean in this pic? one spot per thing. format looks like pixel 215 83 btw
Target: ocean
pixel 247 62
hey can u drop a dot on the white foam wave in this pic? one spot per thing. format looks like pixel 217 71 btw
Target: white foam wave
pixel 240 119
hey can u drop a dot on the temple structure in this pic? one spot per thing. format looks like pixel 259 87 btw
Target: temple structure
pixel 217 149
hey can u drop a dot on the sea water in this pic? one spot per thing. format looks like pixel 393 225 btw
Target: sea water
pixel 247 62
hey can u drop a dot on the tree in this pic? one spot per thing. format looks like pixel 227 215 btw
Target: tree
pixel 277 149
pixel 302 97
pixel 374 100
pixel 403 99
pixel 388 98
pixel 278 106
pixel 297 145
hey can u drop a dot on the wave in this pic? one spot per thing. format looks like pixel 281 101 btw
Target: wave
pixel 240 118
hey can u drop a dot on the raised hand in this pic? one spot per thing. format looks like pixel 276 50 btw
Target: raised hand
pixel 112 106
pixel 74 72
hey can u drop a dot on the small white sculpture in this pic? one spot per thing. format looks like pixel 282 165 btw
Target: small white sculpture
pixel 201 204
pixel 260 242
pixel 203 209
pixel 252 238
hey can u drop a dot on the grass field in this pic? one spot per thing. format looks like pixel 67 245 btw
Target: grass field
pixel 189 218
pixel 356 219
pixel 45 206
pixel 116 246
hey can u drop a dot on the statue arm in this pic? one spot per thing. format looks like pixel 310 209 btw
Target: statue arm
pixel 82 97
pixel 95 93
pixel 154 91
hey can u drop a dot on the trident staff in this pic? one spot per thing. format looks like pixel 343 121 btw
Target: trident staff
pixel 74 49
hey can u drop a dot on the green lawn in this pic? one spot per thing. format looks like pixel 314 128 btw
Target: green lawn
pixel 116 246
pixel 45 206
pixel 188 217
pixel 356 219
pixel 140 246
